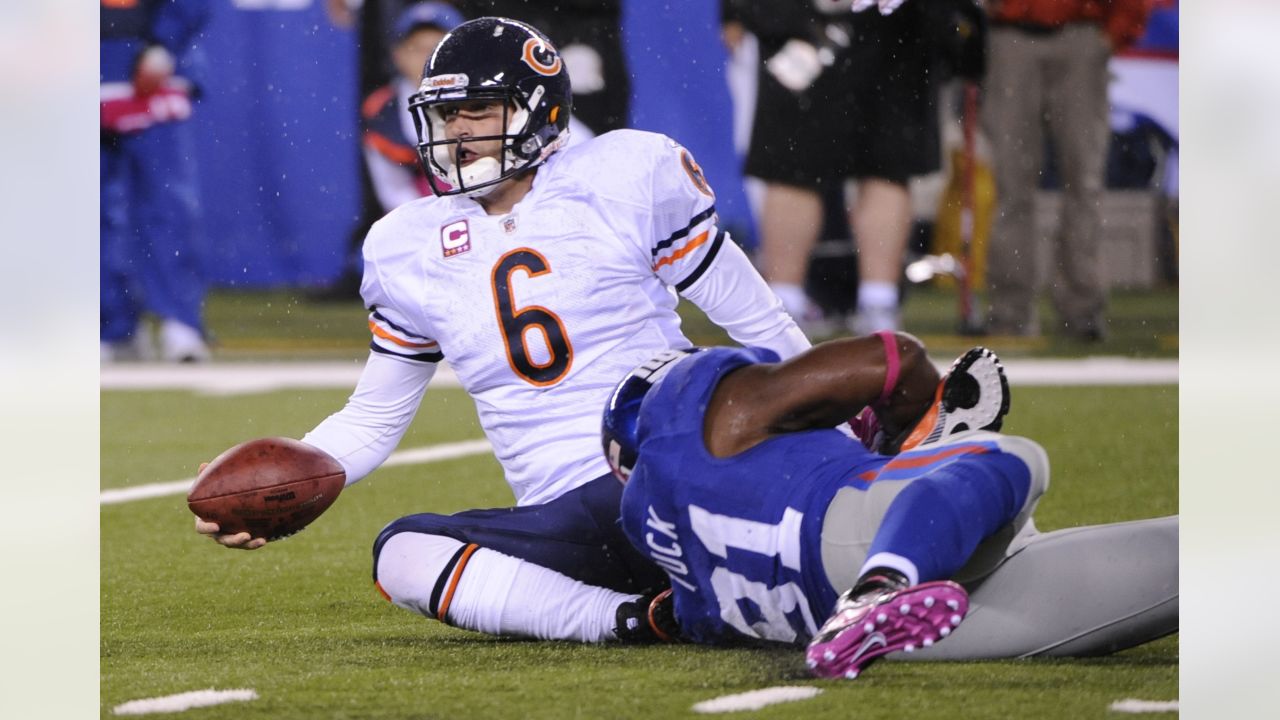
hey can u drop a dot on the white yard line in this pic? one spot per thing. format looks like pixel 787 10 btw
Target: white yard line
pixel 757 699
pixel 1091 371
pixel 431 453
pixel 1130 705
pixel 238 378
pixel 241 378
pixel 184 701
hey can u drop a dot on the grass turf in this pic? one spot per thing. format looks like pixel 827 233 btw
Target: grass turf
pixel 301 623
pixel 283 323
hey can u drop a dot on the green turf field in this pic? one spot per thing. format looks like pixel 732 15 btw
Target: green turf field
pixel 300 622
pixel 283 324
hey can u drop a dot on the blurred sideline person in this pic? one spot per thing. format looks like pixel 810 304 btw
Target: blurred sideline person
pixel 374 24
pixel 843 96
pixel 381 52
pixel 1047 78
pixel 150 241
pixel 543 274
pixel 389 139
pixel 766 518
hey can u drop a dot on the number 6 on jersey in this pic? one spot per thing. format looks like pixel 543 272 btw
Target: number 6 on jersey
pixel 516 323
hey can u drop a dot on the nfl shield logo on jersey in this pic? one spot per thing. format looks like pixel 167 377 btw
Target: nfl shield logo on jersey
pixel 455 238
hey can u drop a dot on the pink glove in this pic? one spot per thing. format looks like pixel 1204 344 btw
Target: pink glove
pixel 867 427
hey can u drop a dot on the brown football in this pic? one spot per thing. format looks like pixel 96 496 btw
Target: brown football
pixel 270 487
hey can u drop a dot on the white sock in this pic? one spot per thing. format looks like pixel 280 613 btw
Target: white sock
pixel 893 562
pixel 494 593
pixel 508 596
pixel 877 294
pixel 794 301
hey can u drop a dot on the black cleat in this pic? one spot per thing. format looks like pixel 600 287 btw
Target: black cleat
pixel 649 619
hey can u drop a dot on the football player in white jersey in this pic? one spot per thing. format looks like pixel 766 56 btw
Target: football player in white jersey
pixel 544 274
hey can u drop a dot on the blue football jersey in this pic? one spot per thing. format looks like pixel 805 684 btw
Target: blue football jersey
pixel 739 537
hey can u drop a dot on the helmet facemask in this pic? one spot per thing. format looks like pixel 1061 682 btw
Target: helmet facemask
pixel 519 149
pixel 491 59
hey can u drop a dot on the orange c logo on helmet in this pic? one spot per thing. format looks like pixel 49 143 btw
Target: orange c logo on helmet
pixel 541 57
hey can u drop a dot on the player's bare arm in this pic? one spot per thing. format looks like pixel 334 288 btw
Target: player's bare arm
pixel 820 389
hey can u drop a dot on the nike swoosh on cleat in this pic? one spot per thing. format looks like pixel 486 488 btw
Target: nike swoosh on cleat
pixel 875 639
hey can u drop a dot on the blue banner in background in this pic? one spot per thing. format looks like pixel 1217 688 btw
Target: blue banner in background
pixel 278 149
pixel 678 87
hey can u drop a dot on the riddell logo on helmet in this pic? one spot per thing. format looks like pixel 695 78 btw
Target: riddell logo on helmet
pixel 541 57
pixel 444 81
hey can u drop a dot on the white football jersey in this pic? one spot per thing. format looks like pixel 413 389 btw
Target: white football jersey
pixel 541 311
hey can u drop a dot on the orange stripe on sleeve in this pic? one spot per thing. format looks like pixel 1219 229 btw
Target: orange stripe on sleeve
pixel 373 327
pixel 688 248
pixel 443 613
pixel 381 592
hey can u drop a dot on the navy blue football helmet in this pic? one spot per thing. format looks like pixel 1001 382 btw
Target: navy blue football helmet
pixel 496 59
pixel 620 427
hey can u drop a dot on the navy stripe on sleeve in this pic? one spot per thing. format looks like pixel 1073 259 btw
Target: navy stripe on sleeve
pixel 702 266
pixel 381 318
pixel 677 235
pixel 433 357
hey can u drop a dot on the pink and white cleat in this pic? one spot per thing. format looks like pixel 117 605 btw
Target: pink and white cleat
pixel 882 620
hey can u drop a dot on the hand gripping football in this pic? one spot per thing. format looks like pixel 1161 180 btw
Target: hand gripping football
pixel 269 488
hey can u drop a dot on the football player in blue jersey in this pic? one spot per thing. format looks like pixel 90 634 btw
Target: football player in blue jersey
pixel 761 511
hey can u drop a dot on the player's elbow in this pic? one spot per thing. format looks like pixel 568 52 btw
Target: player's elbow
pixel 914 363
pixel 917 376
